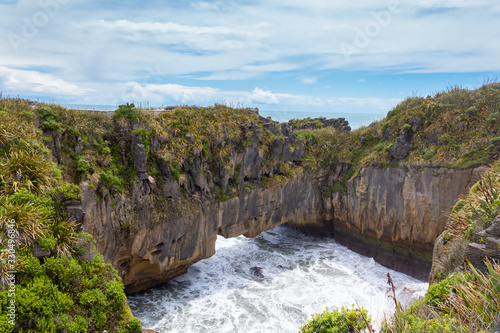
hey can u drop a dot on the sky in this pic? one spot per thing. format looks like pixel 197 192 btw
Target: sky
pixel 360 56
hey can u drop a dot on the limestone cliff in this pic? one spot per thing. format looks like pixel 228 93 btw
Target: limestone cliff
pixel 395 214
pixel 155 249
pixel 392 214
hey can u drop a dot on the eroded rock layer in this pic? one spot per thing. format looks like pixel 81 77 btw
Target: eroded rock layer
pixel 395 214
pixel 156 250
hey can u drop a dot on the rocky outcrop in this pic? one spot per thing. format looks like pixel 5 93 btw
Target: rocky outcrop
pixel 450 253
pixel 486 244
pixel 339 124
pixel 395 214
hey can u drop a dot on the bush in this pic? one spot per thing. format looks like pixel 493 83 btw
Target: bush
pixel 46 113
pixel 114 293
pixel 67 191
pixel 73 131
pixel 472 111
pixel 428 155
pixel 65 272
pixel 50 119
pixel 135 325
pixel 343 320
pixel 82 165
pixel 109 180
pixel 51 125
pixel 36 170
pixel 127 111
pixel 176 170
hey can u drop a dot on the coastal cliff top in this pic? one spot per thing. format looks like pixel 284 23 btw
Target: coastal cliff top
pixel 456 128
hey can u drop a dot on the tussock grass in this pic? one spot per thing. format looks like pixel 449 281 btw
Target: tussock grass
pixel 464 302
pixel 479 207
pixel 456 128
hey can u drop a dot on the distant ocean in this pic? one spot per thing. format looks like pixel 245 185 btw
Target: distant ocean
pixel 91 107
pixel 355 120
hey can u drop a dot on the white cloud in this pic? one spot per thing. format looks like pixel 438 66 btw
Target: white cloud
pixel 175 92
pixel 309 80
pixel 24 81
pixel 260 96
pixel 194 38
pixel 111 48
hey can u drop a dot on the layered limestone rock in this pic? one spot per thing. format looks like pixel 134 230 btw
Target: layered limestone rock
pixel 395 214
pixel 153 250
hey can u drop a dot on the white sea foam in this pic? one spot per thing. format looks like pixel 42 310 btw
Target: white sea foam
pixel 302 275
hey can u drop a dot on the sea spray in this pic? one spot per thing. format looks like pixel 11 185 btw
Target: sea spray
pixel 299 276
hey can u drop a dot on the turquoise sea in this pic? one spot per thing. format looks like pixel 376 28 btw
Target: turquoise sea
pixel 355 120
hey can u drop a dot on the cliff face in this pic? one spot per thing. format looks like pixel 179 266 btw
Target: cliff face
pixel 151 251
pixel 395 214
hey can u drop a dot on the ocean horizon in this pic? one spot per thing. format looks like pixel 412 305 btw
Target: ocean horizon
pixel 356 120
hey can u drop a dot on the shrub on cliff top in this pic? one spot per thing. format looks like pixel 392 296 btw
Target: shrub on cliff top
pixel 127 111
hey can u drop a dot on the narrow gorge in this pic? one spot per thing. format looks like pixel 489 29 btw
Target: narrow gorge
pixel 170 216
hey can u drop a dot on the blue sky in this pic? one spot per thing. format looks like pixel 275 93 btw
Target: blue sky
pixel 344 56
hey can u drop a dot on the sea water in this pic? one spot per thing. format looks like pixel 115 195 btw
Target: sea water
pixel 299 275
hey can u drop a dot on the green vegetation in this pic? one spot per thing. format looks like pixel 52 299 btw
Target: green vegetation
pixel 62 289
pixel 50 119
pixel 458 128
pixel 200 129
pixel 110 180
pixel 126 111
pixel 83 165
pixel 464 302
pixel 342 320
pixel 479 207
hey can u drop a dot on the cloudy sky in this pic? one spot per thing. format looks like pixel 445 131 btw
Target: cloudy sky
pixel 345 56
